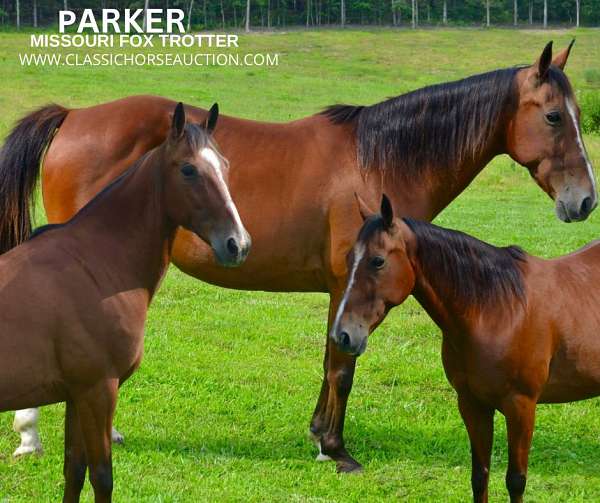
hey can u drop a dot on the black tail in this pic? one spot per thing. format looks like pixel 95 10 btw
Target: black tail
pixel 20 159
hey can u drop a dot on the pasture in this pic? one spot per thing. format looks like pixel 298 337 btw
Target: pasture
pixel 220 407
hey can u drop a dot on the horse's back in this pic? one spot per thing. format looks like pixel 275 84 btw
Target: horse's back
pixel 284 178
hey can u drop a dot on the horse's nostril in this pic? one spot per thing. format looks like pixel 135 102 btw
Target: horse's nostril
pixel 232 246
pixel 345 339
pixel 586 206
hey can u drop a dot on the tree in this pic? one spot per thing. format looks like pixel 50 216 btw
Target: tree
pixel 445 12
pixel 577 2
pixel 189 23
pixel 545 13
pixel 247 16
pixel 35 14
pixel 487 13
pixel 343 13
pixel 515 13
pixel 146 5
pixel 18 8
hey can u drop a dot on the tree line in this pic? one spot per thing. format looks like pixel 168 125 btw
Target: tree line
pixel 272 14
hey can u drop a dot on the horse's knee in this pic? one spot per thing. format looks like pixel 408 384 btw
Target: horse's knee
pixel 515 483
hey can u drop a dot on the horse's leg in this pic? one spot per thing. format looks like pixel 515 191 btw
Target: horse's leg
pixel 95 410
pixel 340 373
pixel 75 464
pixel 479 421
pixel 318 423
pixel 26 424
pixel 327 424
pixel 520 416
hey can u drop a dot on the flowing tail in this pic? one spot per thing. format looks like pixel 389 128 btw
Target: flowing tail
pixel 20 159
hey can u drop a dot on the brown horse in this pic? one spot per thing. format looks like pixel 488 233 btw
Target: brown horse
pixel 294 182
pixel 505 346
pixel 74 297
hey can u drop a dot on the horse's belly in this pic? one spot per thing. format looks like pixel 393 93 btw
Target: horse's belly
pixel 277 270
pixel 574 372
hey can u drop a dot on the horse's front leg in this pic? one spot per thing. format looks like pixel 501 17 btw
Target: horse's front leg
pixel 327 425
pixel 479 420
pixel 26 425
pixel 520 417
pixel 75 463
pixel 95 410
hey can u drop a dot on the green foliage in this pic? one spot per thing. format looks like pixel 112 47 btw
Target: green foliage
pixel 592 76
pixel 589 103
pixel 220 407
pixel 208 14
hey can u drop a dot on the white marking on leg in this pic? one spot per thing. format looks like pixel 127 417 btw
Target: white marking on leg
pixel 571 110
pixel 359 251
pixel 26 424
pixel 116 437
pixel 321 456
pixel 210 156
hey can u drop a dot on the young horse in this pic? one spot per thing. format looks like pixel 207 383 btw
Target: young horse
pixel 505 347
pixel 91 281
pixel 293 183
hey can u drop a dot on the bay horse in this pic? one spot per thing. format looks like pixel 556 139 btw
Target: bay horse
pixel 75 296
pixel 505 345
pixel 293 182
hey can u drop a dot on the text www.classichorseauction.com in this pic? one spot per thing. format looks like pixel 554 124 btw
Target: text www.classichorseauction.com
pixel 122 30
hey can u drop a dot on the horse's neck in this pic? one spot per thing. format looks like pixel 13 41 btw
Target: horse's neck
pixel 425 197
pixel 129 230
pixel 444 311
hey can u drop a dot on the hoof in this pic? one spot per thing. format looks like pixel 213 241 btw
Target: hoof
pixel 116 437
pixel 25 450
pixel 349 466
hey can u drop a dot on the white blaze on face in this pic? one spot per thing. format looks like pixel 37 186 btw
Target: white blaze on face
pixel 210 156
pixel 571 110
pixel 359 252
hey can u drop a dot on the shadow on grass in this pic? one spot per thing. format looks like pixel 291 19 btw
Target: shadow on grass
pixel 423 445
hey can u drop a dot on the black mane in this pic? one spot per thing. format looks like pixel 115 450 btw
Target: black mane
pixel 465 269
pixel 436 126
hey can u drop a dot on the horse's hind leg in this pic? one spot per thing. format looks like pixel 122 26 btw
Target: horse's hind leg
pixel 520 416
pixel 95 410
pixel 26 424
pixel 75 464
pixel 479 421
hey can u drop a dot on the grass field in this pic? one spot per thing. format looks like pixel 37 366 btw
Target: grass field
pixel 220 407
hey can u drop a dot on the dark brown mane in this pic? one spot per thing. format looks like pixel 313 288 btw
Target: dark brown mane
pixel 465 269
pixel 436 126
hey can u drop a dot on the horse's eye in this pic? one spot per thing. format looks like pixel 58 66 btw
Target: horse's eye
pixel 188 171
pixel 377 262
pixel 553 118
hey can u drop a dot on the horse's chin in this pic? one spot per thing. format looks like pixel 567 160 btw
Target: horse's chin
pixel 561 212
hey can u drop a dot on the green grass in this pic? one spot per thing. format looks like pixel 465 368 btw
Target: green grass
pixel 221 404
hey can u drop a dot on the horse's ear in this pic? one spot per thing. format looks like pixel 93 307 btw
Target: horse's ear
pixel 387 213
pixel 544 62
pixel 178 123
pixel 211 118
pixel 363 208
pixel 560 59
